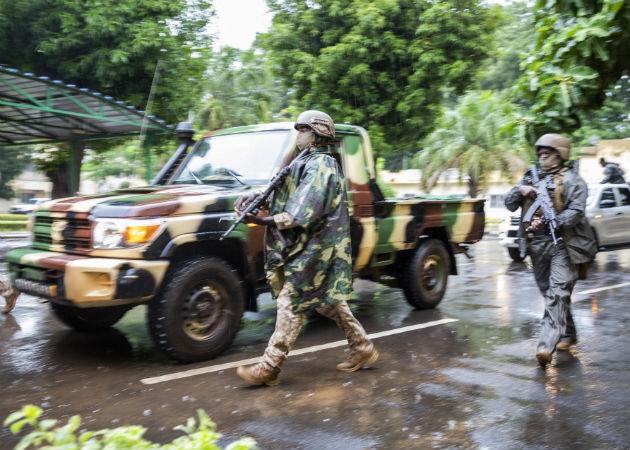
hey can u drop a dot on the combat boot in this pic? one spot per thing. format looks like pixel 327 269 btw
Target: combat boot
pixel 258 374
pixel 358 360
pixel 543 356
pixel 566 343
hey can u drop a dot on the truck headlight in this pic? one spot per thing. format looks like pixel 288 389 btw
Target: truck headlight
pixel 122 233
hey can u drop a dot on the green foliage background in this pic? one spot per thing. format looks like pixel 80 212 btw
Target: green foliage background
pixel 400 68
pixel 377 63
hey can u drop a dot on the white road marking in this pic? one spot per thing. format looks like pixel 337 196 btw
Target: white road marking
pixel 301 351
pixel 592 291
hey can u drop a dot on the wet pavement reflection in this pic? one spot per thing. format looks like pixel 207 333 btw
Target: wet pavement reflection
pixel 473 383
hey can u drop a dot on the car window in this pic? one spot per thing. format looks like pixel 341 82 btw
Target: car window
pixel 607 200
pixel 624 195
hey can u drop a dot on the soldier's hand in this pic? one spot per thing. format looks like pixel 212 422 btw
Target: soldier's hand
pixel 241 203
pixel 537 224
pixel 259 220
pixel 528 191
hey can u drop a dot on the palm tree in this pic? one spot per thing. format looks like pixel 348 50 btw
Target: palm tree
pixel 240 90
pixel 478 137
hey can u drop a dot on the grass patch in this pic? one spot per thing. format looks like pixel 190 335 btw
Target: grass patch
pixel 13 222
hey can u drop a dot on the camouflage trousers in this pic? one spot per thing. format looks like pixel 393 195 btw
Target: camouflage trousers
pixel 556 277
pixel 10 295
pixel 288 326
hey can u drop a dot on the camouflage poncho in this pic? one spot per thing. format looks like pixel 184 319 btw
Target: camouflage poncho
pixel 314 258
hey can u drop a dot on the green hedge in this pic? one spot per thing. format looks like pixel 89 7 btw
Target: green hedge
pixel 13 222
pixel 13 217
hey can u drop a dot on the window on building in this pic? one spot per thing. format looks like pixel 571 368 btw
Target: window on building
pixel 497 201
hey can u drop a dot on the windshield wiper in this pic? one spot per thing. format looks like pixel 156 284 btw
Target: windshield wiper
pixel 192 172
pixel 232 173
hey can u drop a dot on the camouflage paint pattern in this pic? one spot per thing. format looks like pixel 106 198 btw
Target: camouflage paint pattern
pixel 313 260
pixel 62 252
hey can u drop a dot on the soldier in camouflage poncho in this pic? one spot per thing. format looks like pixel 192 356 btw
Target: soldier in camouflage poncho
pixel 308 252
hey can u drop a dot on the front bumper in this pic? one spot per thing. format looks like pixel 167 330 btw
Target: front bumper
pixel 84 281
pixel 509 238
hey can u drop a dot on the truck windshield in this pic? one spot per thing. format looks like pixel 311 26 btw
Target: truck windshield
pixel 232 158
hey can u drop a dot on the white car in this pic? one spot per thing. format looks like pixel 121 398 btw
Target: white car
pixel 28 207
pixel 608 213
pixel 508 232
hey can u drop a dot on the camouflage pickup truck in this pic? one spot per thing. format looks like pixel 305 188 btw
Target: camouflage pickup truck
pixel 95 257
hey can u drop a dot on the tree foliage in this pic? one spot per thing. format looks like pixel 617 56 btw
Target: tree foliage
pixel 377 63
pixel 611 120
pixel 240 90
pixel 477 139
pixel 512 39
pixel 12 162
pixel 581 50
pixel 112 46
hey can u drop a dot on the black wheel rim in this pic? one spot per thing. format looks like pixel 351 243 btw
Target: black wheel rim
pixel 204 310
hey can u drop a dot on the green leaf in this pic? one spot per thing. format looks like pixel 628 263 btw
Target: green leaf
pixel 32 412
pixel 17 426
pixel 13 417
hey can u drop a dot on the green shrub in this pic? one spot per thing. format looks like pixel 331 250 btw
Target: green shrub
pixel 47 435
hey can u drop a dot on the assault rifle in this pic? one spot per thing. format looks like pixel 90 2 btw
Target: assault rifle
pixel 254 206
pixel 543 201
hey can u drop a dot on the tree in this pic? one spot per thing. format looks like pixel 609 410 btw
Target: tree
pixel 12 162
pixel 240 90
pixel 111 46
pixel 377 63
pixel 581 50
pixel 512 38
pixel 608 122
pixel 477 139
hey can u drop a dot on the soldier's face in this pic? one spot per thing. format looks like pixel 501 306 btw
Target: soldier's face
pixel 306 137
pixel 544 152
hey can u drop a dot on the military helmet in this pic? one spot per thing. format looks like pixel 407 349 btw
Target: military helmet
pixel 556 141
pixel 318 121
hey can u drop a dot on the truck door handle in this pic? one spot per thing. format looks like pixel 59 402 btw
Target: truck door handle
pixel 618 214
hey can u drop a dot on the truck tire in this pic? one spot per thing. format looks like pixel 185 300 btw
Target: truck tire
pixel 88 319
pixel 198 311
pixel 425 275
pixel 515 254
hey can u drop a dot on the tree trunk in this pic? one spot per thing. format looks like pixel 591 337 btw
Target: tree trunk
pixel 61 178
pixel 473 187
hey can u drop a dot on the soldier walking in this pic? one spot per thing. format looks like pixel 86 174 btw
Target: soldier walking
pixel 612 172
pixel 308 252
pixel 558 266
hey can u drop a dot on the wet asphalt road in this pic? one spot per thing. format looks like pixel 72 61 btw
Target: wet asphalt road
pixel 470 383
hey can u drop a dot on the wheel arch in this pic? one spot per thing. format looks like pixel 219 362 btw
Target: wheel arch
pixel 232 251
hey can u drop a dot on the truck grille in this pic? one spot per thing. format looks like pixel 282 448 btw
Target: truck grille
pixel 74 233
pixel 515 220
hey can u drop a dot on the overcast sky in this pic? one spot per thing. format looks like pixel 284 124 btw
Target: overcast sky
pixel 237 21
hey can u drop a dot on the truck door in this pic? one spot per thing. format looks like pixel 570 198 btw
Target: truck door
pixel 360 200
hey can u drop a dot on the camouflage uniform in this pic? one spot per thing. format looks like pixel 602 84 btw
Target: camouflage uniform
pixel 9 293
pixel 557 267
pixel 308 255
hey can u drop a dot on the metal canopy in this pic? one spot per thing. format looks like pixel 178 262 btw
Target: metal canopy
pixel 40 110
